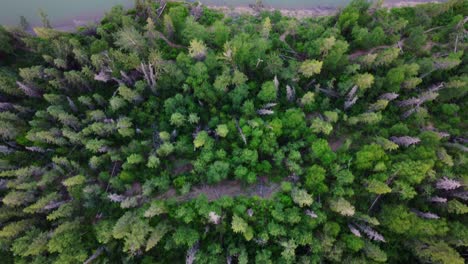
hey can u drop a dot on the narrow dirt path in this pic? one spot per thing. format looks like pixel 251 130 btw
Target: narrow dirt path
pixel 231 188
pixel 360 53
pixel 336 143
pixel 264 188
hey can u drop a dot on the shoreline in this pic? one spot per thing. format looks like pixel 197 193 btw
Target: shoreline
pixel 318 11
pixel 300 13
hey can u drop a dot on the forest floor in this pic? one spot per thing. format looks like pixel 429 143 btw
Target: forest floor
pixel 232 188
pixel 264 188
pixel 313 11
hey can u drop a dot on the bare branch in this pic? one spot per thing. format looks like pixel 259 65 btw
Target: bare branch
pixel 447 184
pixel 96 254
pixel 241 133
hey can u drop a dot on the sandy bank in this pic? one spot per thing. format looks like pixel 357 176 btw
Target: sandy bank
pixel 312 12
pixel 71 25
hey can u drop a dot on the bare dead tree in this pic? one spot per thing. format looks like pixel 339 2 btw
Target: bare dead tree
pixel 150 75
pixel 351 97
pixel 389 96
pixel 462 195
pixel 240 132
pixel 127 79
pixel 349 103
pixel 102 76
pixel 6 150
pixel 72 104
pixel 29 90
pixel 425 215
pixel 196 11
pixel 405 141
pixel 290 93
pixel 371 233
pixel 437 199
pixel 6 106
pixel 447 184
pixel 214 218
pixel 352 92
pixel 250 212
pixel 265 112
pixel 53 205
pixel 116 198
pixel 96 255
pixel 354 230
pixel 310 213
pixel 191 253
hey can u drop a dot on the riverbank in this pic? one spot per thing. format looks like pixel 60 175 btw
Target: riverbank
pixel 313 11
pixel 70 25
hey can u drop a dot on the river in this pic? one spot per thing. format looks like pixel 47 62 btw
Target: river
pixel 63 12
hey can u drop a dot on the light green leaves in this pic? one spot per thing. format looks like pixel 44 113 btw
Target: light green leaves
pixel 364 81
pixel 156 235
pixel 310 68
pixel 133 230
pixel 129 39
pixel 268 92
pixel 301 197
pixel 197 49
pixel 201 139
pixel 238 225
pixel 222 130
pixel 153 162
pixel 75 180
pixel 135 159
pixel 378 187
pixel 342 207
pixel 177 119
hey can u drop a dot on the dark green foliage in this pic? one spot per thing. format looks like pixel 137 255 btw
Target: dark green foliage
pixel 6 45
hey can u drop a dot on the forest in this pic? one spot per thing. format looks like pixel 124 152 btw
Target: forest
pixel 174 133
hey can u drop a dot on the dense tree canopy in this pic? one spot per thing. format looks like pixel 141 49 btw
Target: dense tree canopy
pixel 173 133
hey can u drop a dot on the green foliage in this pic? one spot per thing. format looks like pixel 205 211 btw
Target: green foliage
pixel 5 41
pixel 13 229
pixel 323 152
pixel 132 230
pixel 416 38
pixel 310 68
pixel 364 81
pixel 268 92
pixel 378 187
pixel 367 157
pixel 201 139
pixel 308 99
pixel 177 119
pixel 457 207
pixel 197 49
pixel 217 172
pixel 375 253
pixel 342 207
pixel 135 159
pixel 153 162
pixel 129 39
pixel 320 126
pixel 301 197
pixel 222 130
pixel 437 252
pixel 315 179
pixel 238 225
pixel 156 235
pixel 173 132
